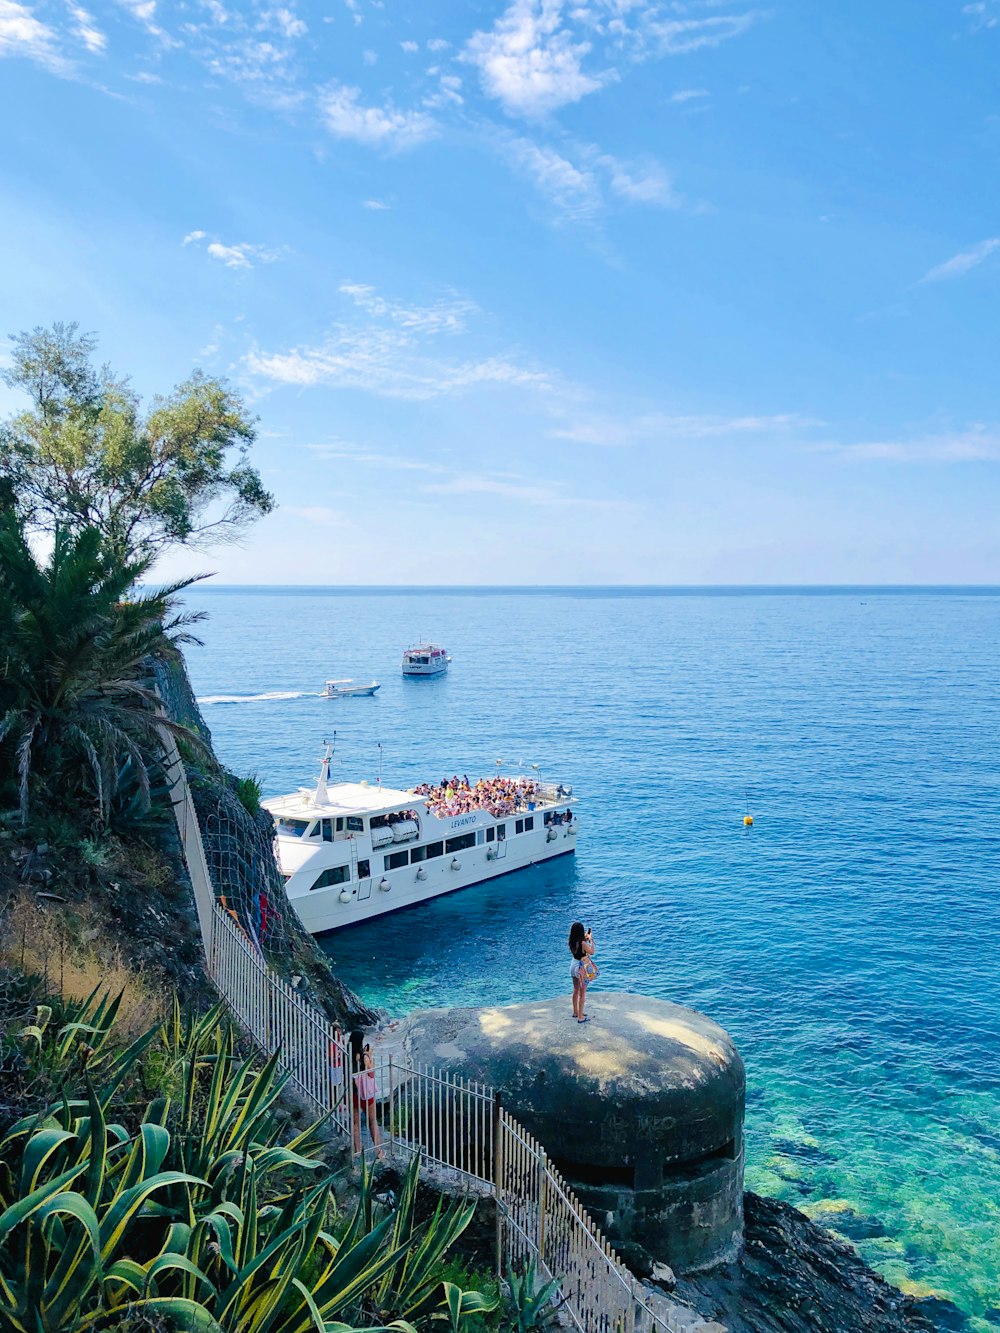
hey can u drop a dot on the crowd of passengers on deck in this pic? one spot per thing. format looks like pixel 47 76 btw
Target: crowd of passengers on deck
pixel 500 796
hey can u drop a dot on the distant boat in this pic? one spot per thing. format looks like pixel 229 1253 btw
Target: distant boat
pixel 348 689
pixel 426 659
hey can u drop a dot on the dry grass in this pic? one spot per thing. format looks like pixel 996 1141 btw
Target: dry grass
pixel 70 947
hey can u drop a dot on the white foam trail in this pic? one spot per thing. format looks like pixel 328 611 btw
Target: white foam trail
pixel 256 698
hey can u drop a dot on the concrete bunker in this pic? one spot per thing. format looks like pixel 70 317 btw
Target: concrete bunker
pixel 641 1110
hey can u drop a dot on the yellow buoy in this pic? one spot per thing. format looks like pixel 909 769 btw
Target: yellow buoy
pixel 747 820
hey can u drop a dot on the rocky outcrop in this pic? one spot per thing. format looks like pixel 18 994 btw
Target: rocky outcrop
pixel 794 1277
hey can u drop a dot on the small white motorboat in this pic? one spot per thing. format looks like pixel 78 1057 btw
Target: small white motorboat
pixel 348 689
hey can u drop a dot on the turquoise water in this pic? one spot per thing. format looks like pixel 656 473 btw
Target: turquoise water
pixel 848 941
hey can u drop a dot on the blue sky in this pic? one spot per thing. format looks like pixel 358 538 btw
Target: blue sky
pixel 541 291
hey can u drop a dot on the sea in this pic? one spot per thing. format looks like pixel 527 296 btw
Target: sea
pixel 847 939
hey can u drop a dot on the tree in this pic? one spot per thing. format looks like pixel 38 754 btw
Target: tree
pixel 86 455
pixel 77 723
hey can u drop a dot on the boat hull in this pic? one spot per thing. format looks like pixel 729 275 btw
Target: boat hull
pixel 322 910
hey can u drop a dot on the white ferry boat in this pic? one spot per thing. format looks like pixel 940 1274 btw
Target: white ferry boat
pixel 350 851
pixel 425 659
pixel 348 689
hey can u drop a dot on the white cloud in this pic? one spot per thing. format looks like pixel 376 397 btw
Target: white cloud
pixel 447 94
pixel 442 317
pixel 533 59
pixel 963 262
pixel 242 255
pixel 438 44
pixel 613 431
pixel 85 28
pixel 320 515
pixel 287 23
pixel 578 190
pixel 982 14
pixel 573 191
pixel 390 353
pixel 529 62
pixel 144 13
pixel 550 493
pixel 689 94
pixel 410 47
pixel 21 34
pixel 376 205
pixel 976 444
pixel 346 118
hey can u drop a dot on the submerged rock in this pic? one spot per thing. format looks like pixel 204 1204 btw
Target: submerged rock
pixel 794 1277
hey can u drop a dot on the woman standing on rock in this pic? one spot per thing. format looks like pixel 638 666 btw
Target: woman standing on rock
pixel 581 947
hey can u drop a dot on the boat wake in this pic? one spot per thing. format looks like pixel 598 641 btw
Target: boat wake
pixel 270 697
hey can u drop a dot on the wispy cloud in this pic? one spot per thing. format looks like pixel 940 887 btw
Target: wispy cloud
pixel 689 94
pixel 444 316
pixel 383 126
pixel 652 426
pixel 86 30
pixel 376 205
pixel 976 444
pixel 982 14
pixel 579 190
pixel 574 192
pixel 962 262
pixel 22 34
pixel 241 255
pixel 549 493
pixel 392 352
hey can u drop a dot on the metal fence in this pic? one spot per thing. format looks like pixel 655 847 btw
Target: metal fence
pixel 449 1121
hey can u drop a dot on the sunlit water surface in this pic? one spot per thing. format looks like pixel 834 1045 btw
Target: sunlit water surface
pixel 848 942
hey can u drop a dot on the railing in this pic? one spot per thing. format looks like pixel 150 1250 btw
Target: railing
pixel 449 1121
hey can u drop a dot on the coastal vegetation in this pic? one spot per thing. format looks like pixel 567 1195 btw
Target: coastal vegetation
pixel 86 455
pixel 153 1174
pixel 163 1185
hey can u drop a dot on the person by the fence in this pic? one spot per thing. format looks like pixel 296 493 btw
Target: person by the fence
pixel 363 1090
pixel 581 947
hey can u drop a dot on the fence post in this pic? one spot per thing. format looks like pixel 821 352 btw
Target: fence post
pixel 543 1176
pixel 392 1098
pixel 498 1176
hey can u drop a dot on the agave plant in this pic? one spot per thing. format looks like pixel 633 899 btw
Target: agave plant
pixel 76 718
pixel 200 1217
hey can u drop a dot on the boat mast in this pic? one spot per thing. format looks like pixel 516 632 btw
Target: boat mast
pixel 320 796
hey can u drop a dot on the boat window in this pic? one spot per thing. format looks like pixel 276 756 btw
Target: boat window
pixel 501 832
pixel 519 826
pixel 529 823
pixel 418 854
pixel 435 849
pixel 355 824
pixel 364 870
pixel 293 828
pixel 335 875
pixel 491 833
pixel 339 826
pixel 396 859
pixel 480 837
pixel 460 843
pixel 327 830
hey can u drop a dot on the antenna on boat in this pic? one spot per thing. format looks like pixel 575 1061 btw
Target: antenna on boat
pixel 320 797
pixel 380 763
